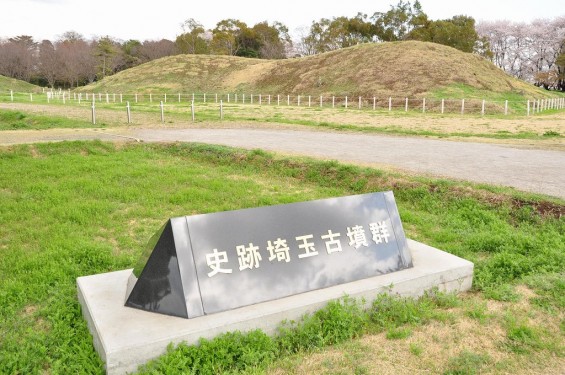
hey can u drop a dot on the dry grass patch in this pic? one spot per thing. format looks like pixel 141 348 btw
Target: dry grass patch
pixel 365 70
pixel 475 341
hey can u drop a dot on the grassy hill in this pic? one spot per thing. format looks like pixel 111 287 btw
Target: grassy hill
pixel 387 69
pixel 16 85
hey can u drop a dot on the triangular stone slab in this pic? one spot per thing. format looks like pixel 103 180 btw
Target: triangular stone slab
pixel 159 286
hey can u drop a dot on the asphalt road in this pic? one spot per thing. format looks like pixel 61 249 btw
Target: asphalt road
pixel 531 170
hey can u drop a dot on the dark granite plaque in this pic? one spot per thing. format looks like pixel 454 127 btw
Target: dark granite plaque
pixel 204 264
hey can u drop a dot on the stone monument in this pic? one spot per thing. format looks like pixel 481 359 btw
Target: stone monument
pixel 202 275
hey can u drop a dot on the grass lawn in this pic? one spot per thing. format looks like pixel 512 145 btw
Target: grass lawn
pixel 77 208
pixel 546 130
pixel 18 120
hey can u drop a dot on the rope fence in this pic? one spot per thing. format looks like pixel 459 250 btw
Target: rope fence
pixel 388 104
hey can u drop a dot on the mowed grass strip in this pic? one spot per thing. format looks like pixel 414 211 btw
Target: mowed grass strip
pixel 77 208
pixel 546 130
pixel 22 120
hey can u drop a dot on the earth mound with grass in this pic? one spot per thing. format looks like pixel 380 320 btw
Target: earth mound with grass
pixel 397 69
pixel 16 85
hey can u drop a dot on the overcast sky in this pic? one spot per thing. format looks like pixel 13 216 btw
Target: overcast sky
pixel 134 19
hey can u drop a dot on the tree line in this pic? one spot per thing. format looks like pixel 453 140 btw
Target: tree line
pixel 534 52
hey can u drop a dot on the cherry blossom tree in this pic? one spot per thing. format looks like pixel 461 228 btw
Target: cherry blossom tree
pixel 528 51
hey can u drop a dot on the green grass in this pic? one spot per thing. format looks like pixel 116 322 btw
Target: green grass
pixel 77 208
pixel 18 120
pixel 369 121
pixel 462 91
pixel 467 363
pixel 16 85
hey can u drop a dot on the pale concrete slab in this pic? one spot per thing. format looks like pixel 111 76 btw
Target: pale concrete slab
pixel 126 338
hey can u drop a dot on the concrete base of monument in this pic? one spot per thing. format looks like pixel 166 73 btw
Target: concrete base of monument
pixel 126 338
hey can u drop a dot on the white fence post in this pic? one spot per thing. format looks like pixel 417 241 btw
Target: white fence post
pixel 462 106
pixel 216 98
pixel 483 108
pixel 278 99
pixel 135 98
pixel 309 100
pixel 121 98
pixel 11 95
pixel 113 98
pixel 528 108
pixel 150 98
pixel 269 100
pixel 162 112
pixel 346 102
pixel 333 101
pixel 321 101
pixel 288 100
pixel 165 97
pixel 260 99
pixel 506 107
pixel 374 103
pixel 128 112
pixel 205 97
pixel 93 112
pixel 389 103
pixel 107 98
pixel 298 100
pixel 228 97
pixel 442 105
pixel 192 110
pixel 406 105
pixel 359 102
pixel 424 105
pixel 79 98
pixel 179 97
pixel 30 97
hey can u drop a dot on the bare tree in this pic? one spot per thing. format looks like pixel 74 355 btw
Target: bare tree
pixel 49 62
pixel 77 62
pixel 18 57
pixel 152 49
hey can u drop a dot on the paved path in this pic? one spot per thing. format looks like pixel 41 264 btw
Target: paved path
pixel 530 170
